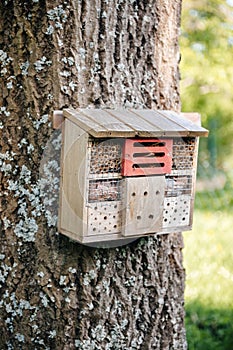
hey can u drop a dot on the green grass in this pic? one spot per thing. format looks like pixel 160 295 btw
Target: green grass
pixel 208 259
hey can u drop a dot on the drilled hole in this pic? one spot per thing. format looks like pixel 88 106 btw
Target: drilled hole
pixel 145 193
pixel 133 194
pixel 151 216
pixel 157 192
pixel 139 217
pixel 94 229
pixel 105 217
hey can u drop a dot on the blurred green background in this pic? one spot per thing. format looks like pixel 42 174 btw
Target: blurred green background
pixel 207 87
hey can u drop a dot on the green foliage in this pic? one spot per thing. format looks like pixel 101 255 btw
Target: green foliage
pixel 208 259
pixel 206 87
pixel 216 194
pixel 207 73
pixel 208 328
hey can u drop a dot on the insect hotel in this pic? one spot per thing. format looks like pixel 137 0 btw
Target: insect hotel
pixel 127 173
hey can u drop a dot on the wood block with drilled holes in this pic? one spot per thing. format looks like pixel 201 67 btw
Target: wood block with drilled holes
pixel 142 205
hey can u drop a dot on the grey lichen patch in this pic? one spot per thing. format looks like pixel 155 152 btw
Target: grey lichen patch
pixel 5 60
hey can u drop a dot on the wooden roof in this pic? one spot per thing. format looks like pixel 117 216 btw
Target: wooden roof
pixel 133 122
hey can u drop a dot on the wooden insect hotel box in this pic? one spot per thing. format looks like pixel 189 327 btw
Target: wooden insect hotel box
pixel 127 173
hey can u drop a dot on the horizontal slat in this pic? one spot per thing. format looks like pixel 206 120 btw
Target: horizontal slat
pixel 146 160
pixel 134 121
pixel 107 119
pixel 149 149
pixel 184 123
pixel 84 122
pixel 157 121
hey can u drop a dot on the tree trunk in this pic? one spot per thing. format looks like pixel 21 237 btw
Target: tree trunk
pixel 55 293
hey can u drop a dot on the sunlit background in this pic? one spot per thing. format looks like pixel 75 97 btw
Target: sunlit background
pixel 207 87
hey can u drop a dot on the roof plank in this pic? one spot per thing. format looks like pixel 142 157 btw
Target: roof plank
pixel 133 122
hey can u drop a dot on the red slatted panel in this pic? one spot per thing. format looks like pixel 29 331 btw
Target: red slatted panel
pixel 147 157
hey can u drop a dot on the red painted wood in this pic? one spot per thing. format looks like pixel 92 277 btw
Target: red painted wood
pixel 147 157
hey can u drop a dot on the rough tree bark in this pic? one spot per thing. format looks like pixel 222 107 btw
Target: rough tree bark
pixel 55 293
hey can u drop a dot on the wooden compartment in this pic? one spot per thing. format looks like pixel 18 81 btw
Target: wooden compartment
pixel 147 157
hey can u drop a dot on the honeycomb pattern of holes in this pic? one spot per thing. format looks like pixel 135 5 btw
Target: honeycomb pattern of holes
pixel 109 222
pixel 181 212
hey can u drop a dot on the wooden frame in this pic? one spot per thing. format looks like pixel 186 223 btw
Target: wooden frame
pixel 100 200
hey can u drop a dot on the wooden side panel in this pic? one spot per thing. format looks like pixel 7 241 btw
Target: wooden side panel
pixel 142 208
pixel 72 213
